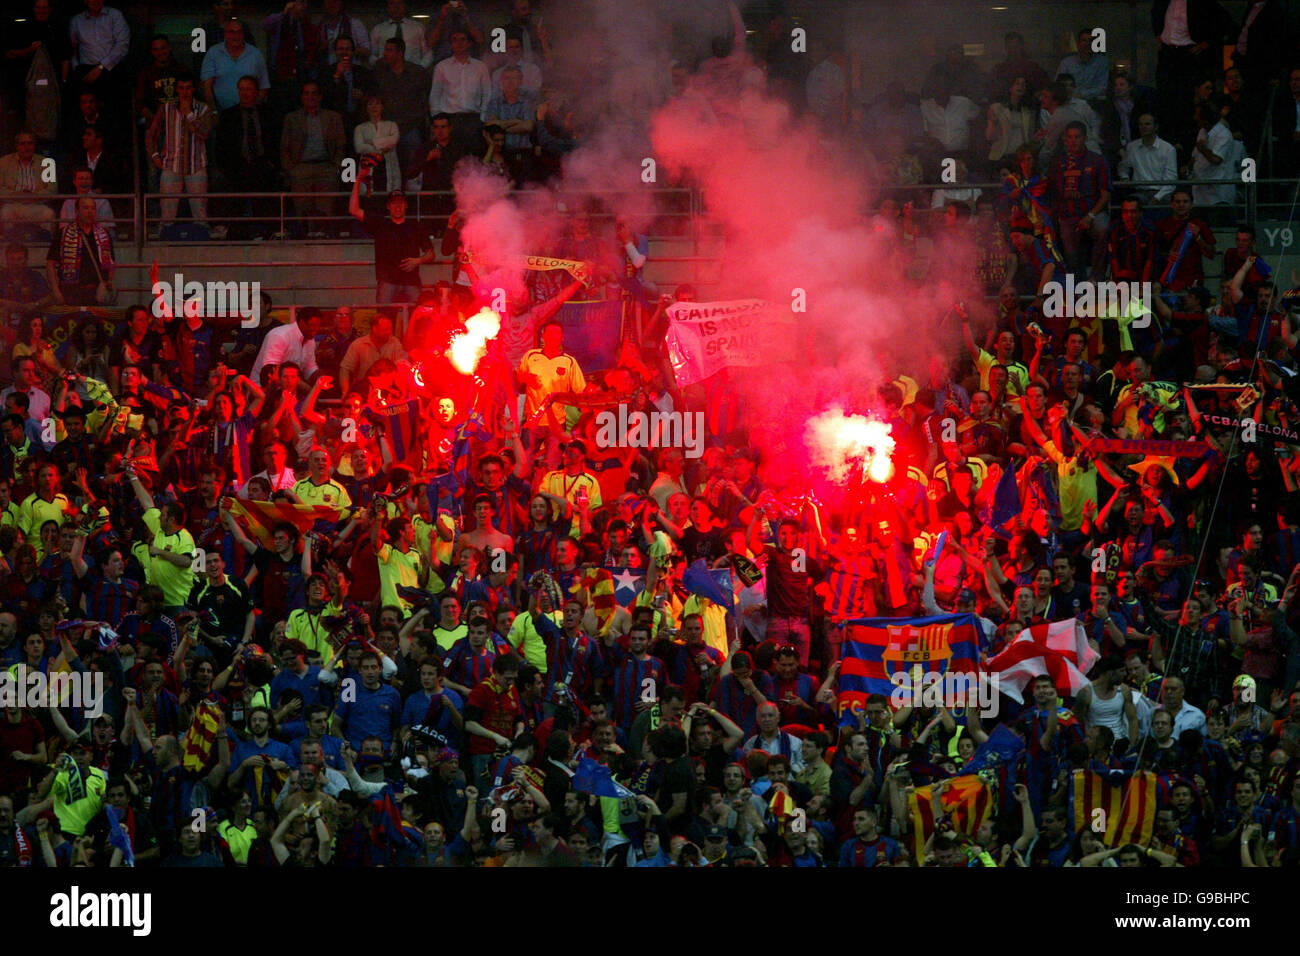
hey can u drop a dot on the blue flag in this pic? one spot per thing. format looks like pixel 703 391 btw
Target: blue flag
pixel 1002 749
pixel 592 331
pixel 592 777
pixel 1006 502
pixel 711 584
pixel 117 836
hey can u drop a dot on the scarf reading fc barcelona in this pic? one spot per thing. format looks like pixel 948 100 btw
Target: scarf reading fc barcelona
pixel 71 246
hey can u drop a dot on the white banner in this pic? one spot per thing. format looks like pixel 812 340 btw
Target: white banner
pixel 706 337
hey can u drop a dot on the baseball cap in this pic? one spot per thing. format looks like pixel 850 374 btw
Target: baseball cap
pixel 966 596
pixel 397 194
pixel 1244 681
pixel 715 832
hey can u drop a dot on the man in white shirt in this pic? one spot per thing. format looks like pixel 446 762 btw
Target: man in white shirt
pixel 462 87
pixel 1185 715
pixel 412 33
pixel 1149 159
pixel 277 473
pixel 1215 158
pixel 948 118
pixel 26 376
pixel 292 342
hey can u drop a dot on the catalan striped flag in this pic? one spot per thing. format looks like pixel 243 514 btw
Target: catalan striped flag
pixel 878 650
pixel 598 584
pixel 401 422
pixel 966 801
pixel 1127 811
pixel 261 516
pixel 196 750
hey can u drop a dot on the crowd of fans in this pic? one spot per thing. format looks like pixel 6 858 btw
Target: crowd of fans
pixel 435 669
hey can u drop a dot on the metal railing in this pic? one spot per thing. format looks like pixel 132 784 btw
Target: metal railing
pixel 1247 194
pixel 282 216
pixel 118 203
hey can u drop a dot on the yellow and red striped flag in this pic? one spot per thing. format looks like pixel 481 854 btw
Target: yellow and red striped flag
pixel 966 801
pixel 196 748
pixel 261 516
pixel 1126 813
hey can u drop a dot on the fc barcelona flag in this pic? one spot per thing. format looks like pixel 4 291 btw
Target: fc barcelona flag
pixel 881 651
pixel 261 516
pixel 1127 811
pixel 966 801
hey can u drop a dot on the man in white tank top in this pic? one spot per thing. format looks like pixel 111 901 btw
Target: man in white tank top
pixel 1108 701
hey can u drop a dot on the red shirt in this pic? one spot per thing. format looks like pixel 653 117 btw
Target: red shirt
pixel 497 709
pixel 1191 268
pixel 24 736
pixel 365 572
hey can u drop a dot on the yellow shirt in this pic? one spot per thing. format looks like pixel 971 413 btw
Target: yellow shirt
pixel 73 817
pixel 327 493
pixel 715 622
pixel 174 581
pixel 11 515
pixel 397 568
pixel 306 627
pixel 565 486
pixel 559 374
pixel 1017 374
pixel 523 634
pixel 817 779
pixel 239 841
pixel 36 511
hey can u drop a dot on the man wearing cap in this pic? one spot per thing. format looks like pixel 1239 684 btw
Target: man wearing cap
pixel 1244 715
pixel 401 245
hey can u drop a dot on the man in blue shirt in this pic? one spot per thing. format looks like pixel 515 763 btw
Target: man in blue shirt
pixel 868 847
pixel 259 763
pixel 225 64
pixel 434 705
pixel 369 707
pixel 315 727
pixel 296 674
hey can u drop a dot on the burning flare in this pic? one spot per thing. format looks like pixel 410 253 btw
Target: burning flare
pixel 466 349
pixel 847 445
